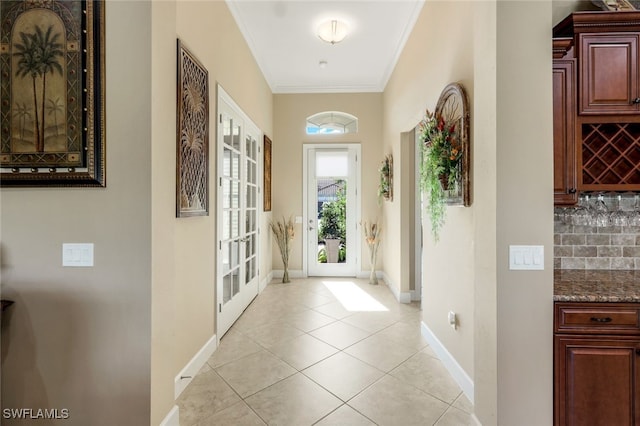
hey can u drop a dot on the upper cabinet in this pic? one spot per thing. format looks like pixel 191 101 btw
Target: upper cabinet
pixel 596 103
pixel 564 156
pixel 608 58
pixel 609 74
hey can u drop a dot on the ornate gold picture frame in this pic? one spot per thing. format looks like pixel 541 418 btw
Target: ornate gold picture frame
pixel 52 93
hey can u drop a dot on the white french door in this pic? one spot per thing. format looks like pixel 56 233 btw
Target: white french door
pixel 238 144
pixel 331 214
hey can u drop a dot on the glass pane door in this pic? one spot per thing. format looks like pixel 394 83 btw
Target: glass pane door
pixel 231 208
pixel 250 238
pixel 331 175
pixel 238 213
pixel 331 212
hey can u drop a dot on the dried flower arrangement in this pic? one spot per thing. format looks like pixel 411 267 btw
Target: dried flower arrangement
pixel 284 233
pixel 372 232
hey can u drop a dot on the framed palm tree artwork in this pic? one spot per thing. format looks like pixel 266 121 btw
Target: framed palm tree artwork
pixel 192 136
pixel 52 121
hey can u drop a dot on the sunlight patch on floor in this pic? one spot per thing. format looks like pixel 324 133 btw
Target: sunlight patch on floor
pixel 353 298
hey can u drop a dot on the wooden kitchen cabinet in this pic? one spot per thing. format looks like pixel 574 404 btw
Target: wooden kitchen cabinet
pixel 596 104
pixel 608 153
pixel 564 149
pixel 609 73
pixel 608 58
pixel 596 364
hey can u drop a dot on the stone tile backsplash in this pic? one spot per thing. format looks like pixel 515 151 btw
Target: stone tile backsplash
pixel 590 247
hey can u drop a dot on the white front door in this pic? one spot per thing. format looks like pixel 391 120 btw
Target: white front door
pixel 332 210
pixel 238 212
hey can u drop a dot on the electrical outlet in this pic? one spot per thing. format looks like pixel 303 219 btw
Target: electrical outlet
pixel 453 320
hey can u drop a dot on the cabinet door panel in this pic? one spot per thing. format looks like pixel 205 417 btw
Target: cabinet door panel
pixel 564 156
pixel 609 74
pixel 596 381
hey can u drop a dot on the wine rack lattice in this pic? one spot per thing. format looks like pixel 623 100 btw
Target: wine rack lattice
pixel 611 154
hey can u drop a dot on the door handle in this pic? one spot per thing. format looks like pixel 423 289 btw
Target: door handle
pixel 244 240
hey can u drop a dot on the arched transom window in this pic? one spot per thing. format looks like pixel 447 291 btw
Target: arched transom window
pixel 332 122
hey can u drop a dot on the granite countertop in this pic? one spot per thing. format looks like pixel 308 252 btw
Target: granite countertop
pixel 596 285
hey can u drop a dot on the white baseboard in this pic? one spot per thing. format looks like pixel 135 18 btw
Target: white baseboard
pixel 265 282
pixel 187 374
pixel 415 296
pixel 402 297
pixel 366 274
pixel 173 418
pixel 293 273
pixel 457 372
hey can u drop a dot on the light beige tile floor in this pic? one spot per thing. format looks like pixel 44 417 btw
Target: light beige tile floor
pixel 330 351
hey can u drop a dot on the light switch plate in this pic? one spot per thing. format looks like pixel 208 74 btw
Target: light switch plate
pixel 77 255
pixel 526 257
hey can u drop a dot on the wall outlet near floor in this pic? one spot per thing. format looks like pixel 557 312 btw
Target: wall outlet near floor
pixel 453 320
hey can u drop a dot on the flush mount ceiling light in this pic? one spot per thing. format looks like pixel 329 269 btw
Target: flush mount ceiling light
pixel 333 31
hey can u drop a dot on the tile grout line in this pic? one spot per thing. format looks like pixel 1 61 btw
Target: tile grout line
pixel 398 317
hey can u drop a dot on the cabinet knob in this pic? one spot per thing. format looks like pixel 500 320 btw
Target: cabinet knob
pixel 636 101
pixel 637 351
pixel 572 190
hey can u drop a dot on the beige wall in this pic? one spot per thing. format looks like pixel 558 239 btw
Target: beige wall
pixel 428 63
pixel 166 335
pixel 524 212
pixel 290 114
pixel 513 354
pixel 504 342
pixel 184 250
pixel 484 136
pixel 87 338
pixel 98 340
pixel 80 338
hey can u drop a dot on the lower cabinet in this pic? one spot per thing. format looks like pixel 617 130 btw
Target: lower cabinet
pixel 597 375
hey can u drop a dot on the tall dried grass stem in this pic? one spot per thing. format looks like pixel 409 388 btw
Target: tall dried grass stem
pixel 284 232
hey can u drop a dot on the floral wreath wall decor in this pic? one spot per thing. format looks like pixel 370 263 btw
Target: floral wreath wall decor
pixel 444 172
pixel 385 187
